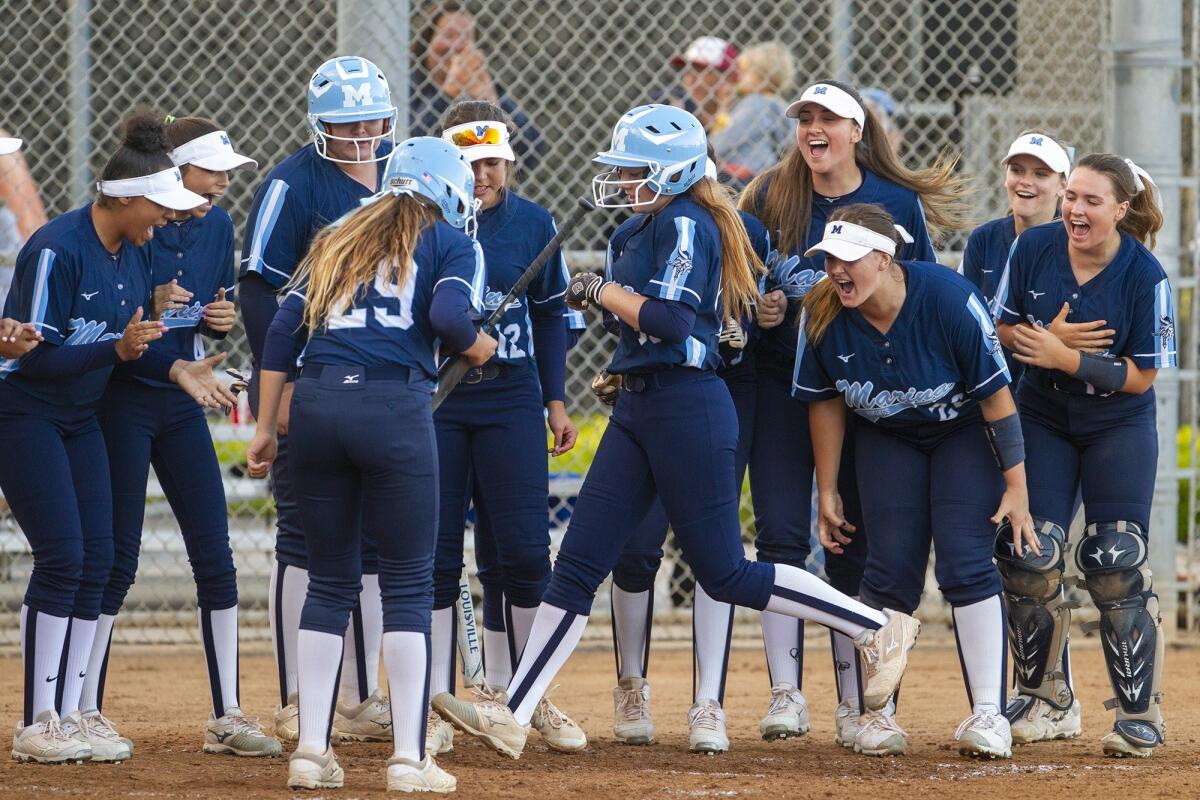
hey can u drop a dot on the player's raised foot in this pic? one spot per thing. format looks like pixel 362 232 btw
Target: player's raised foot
pixel 706 728
pixel 369 721
pixel 107 745
pixel 439 734
pixel 312 771
pixel 236 734
pixel 46 741
pixel 984 736
pixel 1041 722
pixel 404 775
pixel 287 721
pixel 845 722
pixel 879 735
pixel 885 656
pixel 787 714
pixel 1133 738
pixel 632 723
pixel 489 719
pixel 558 731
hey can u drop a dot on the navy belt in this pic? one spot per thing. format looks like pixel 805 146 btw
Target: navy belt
pixel 641 382
pixel 488 372
pixel 351 374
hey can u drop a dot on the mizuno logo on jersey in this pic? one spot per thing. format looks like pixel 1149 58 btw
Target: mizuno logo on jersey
pixel 1036 295
pixel 88 295
pixel 887 403
pixel 350 378
pixel 986 271
pixel 846 359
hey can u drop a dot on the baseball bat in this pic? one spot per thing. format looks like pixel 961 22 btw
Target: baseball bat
pixel 455 367
pixel 468 636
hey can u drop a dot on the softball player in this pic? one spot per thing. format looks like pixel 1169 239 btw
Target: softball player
pixel 491 430
pixel 16 338
pixel 1035 176
pixel 910 348
pixel 1089 419
pixel 673 432
pixel 82 280
pixel 146 422
pixel 842 157
pixel 368 306
pixel 352 119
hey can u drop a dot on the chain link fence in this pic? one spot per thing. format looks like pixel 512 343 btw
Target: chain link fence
pixel 959 76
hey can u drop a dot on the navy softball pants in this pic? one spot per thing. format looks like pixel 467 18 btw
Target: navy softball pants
pixel 364 458
pixel 936 483
pixel 55 479
pixel 675 443
pixel 146 425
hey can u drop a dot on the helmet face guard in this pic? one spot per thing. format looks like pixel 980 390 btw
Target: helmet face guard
pixel 668 142
pixel 608 189
pixel 363 146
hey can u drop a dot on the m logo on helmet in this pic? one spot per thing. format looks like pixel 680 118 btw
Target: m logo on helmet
pixel 360 96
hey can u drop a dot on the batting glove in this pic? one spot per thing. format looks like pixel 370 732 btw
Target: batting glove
pixel 606 387
pixel 733 335
pixel 584 289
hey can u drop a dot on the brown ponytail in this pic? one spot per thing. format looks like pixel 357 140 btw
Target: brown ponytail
pixel 740 265
pixel 1144 219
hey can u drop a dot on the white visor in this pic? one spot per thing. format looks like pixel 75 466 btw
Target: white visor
pixel 1043 148
pixel 831 97
pixel 165 188
pixel 846 241
pixel 477 140
pixel 212 151
pixel 8 145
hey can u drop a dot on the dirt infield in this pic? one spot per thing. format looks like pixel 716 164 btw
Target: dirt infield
pixel 159 699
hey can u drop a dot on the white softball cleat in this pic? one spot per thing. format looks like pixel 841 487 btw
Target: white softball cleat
pixel 236 734
pixel 46 741
pixel 107 745
pixel 787 714
pixel 369 721
pixel 312 771
pixel 419 776
pixel 439 734
pixel 879 735
pixel 632 723
pixel 1042 722
pixel 884 656
pixel 489 719
pixel 984 736
pixel 287 721
pixel 845 723
pixel 558 731
pixel 706 728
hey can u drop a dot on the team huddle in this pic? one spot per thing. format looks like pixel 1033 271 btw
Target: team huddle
pixel 802 332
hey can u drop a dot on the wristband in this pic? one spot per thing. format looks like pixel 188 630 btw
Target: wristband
pixel 1007 441
pixel 1106 373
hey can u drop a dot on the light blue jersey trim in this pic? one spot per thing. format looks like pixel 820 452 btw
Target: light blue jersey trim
pixel 264 226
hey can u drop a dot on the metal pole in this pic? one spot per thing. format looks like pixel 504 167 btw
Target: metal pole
pixel 1147 56
pixel 841 34
pixel 378 30
pixel 79 99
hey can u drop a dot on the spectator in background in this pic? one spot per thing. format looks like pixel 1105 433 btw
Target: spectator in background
pixel 885 107
pixel 758 133
pixel 448 67
pixel 21 210
pixel 706 82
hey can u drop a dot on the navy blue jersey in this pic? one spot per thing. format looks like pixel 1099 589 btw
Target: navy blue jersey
pixel 1132 294
pixel 75 292
pixel 939 358
pixel 389 324
pixel 512 234
pixel 299 197
pixel 199 254
pixel 983 261
pixel 796 274
pixel 760 240
pixel 672 255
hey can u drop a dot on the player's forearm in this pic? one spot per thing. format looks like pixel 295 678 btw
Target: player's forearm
pixel 1004 332
pixel 625 306
pixel 270 391
pixel 827 423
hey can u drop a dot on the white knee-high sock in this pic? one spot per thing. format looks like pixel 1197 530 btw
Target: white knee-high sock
pixel 552 640
pixel 219 634
pixel 519 622
pixel 801 594
pixel 496 662
pixel 319 659
pixel 285 601
pixel 360 667
pixel 406 659
pixel 979 630
pixel 783 641
pixel 91 698
pixel 442 642
pixel 43 637
pixel 712 627
pixel 845 667
pixel 632 617
pixel 79 652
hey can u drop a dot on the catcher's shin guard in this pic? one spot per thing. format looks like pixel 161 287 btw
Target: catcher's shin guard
pixel 1039 617
pixel 1112 557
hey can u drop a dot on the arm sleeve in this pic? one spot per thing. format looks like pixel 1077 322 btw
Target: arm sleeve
pixel 462 267
pixel 684 262
pixel 576 325
pixel 667 320
pixel 276 235
pixel 810 380
pixel 972 259
pixel 286 336
pixel 450 318
pixel 550 353
pixel 1151 342
pixel 59 361
pixel 43 286
pixel 154 364
pixel 977 350
pixel 1007 305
